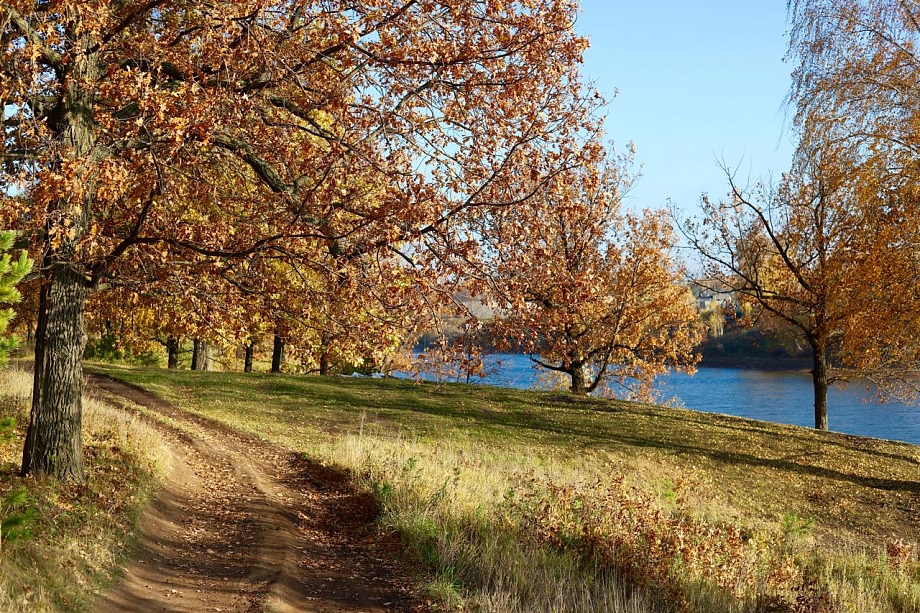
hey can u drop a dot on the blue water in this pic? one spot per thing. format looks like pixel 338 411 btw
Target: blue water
pixel 781 397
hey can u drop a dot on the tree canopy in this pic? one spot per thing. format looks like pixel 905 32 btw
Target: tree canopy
pixel 155 137
pixel 589 288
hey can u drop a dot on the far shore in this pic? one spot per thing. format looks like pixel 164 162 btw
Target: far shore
pixel 757 363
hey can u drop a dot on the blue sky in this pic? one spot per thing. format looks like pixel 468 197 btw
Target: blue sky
pixel 698 82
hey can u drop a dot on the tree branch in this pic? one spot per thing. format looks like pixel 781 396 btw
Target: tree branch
pixel 126 22
pixel 52 58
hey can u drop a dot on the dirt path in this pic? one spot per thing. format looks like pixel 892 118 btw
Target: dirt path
pixel 245 526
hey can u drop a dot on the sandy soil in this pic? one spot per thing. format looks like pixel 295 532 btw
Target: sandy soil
pixel 245 526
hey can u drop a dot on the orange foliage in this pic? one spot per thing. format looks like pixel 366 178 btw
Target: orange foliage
pixel 620 529
pixel 590 289
pixel 158 139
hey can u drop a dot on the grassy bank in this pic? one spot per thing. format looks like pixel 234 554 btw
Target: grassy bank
pixel 61 543
pixel 524 501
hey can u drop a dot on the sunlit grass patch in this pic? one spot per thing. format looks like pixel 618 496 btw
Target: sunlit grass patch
pixel 78 535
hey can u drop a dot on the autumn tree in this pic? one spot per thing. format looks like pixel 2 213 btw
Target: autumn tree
pixel 856 95
pixel 143 313
pixel 830 250
pixel 324 312
pixel 339 313
pixel 791 251
pixel 591 290
pixel 364 316
pixel 882 339
pixel 153 135
pixel 856 83
pixel 856 89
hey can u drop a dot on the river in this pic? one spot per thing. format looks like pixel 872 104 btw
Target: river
pixel 781 397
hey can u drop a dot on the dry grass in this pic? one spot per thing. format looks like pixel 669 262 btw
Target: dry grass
pixel 520 501
pixel 505 533
pixel 79 534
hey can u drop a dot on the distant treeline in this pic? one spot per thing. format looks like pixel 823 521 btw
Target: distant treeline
pixel 753 348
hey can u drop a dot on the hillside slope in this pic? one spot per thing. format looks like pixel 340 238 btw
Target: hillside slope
pixel 837 514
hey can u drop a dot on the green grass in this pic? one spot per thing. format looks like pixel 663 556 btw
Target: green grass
pixel 443 459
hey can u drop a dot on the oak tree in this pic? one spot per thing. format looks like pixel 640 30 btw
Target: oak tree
pixel 151 135
pixel 340 313
pixel 590 290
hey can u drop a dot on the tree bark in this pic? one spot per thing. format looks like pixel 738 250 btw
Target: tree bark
pixel 206 359
pixel 324 354
pixel 247 359
pixel 577 373
pixel 53 444
pixel 277 354
pixel 54 441
pixel 201 355
pixel 820 379
pixel 172 352
pixel 196 354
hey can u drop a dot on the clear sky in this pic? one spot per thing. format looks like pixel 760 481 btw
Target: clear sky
pixel 697 82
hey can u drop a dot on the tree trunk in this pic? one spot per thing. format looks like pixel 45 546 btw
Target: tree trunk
pixel 172 352
pixel 54 442
pixel 577 372
pixel 196 354
pixel 277 354
pixel 324 354
pixel 819 377
pixel 247 359
pixel 206 357
pixel 201 355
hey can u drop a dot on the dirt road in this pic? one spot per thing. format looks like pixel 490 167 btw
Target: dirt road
pixel 248 527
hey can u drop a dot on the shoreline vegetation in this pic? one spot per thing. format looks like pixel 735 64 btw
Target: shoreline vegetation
pixel 738 347
pixel 790 364
pixel 518 501
pixel 753 349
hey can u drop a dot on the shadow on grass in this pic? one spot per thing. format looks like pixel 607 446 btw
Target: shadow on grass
pixel 566 421
pixel 736 458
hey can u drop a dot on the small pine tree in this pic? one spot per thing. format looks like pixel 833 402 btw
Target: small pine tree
pixel 11 272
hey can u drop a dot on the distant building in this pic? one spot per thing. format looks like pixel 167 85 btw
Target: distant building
pixel 713 305
pixel 709 297
pixel 707 302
